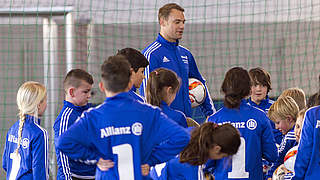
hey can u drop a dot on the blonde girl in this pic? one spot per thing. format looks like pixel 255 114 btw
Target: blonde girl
pixel 26 151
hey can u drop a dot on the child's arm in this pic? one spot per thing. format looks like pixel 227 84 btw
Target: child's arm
pixel 170 137
pixel 287 143
pixel 75 142
pixel 305 145
pixel 269 149
pixel 39 147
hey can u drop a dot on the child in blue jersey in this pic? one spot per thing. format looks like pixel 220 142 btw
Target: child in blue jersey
pixel 208 142
pixel 77 87
pixel 284 114
pixel 283 170
pixel 307 160
pixel 257 140
pixel 138 63
pixel 162 87
pixel 260 88
pixel 25 154
pixel 122 129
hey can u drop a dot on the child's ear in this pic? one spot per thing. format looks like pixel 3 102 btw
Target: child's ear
pixel 216 149
pixel 71 91
pixel 101 87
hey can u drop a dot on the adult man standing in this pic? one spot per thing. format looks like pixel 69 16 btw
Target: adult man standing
pixel 166 52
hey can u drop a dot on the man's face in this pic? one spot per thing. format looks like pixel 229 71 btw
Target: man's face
pixel 172 28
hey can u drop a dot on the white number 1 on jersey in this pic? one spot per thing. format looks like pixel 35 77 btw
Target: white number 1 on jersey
pixel 125 161
pixel 239 162
pixel 16 159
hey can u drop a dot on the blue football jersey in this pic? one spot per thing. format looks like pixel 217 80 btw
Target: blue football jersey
pixel 264 106
pixel 171 55
pixel 174 170
pixel 257 142
pixel 32 160
pixel 68 167
pixel 126 131
pixel 288 142
pixel 308 156
pixel 175 115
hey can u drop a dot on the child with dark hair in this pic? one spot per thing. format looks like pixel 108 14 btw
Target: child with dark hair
pixel 138 64
pixel 162 87
pixel 253 125
pixel 260 87
pixel 77 89
pixel 208 142
pixel 132 134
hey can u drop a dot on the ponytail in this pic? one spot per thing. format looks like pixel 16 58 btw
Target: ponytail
pixel 205 137
pixel 158 80
pixel 236 86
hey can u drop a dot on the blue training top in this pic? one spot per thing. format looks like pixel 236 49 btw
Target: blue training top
pixel 33 152
pixel 175 115
pixel 126 131
pixel 264 106
pixel 308 156
pixel 66 166
pixel 257 142
pixel 171 55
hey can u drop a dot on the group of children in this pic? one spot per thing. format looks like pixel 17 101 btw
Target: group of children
pixel 132 137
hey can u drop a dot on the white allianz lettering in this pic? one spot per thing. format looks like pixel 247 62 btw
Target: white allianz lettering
pixel 111 131
pixel 318 124
pixel 238 125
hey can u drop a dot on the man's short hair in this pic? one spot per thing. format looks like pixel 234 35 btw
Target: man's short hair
pixel 74 78
pixel 165 10
pixel 135 58
pixel 260 76
pixel 115 73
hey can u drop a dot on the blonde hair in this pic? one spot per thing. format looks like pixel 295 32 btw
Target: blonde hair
pixel 29 95
pixel 284 106
pixel 297 94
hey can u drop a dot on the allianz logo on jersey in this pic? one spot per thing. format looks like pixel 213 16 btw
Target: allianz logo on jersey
pixel 318 124
pixel 24 143
pixel 135 129
pixel 250 124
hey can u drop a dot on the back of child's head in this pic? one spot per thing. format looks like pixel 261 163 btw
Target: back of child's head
pixel 136 58
pixel 260 76
pixel 29 96
pixel 284 107
pixel 313 100
pixel 158 80
pixel 115 73
pixel 207 136
pixel 297 94
pixel 75 77
pixel 236 86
